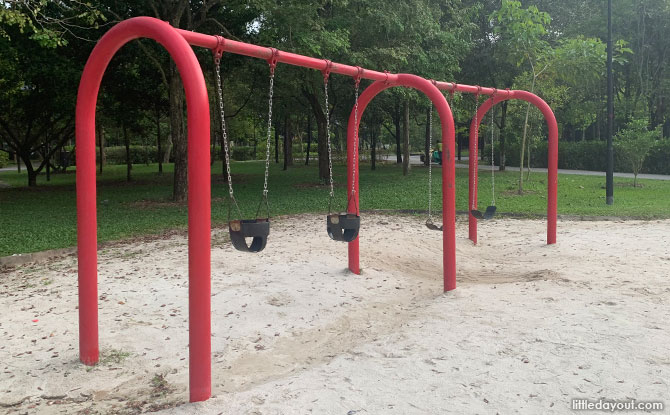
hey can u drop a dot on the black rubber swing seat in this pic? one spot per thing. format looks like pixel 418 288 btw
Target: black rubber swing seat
pixel 490 212
pixel 433 227
pixel 343 227
pixel 258 229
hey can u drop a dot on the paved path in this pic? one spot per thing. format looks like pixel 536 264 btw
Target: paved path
pixel 463 164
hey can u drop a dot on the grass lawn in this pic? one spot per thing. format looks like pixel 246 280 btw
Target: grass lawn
pixel 36 219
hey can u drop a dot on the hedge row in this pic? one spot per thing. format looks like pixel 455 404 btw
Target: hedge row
pixel 138 154
pixel 242 153
pixel 587 155
pixel 149 154
pixel 4 158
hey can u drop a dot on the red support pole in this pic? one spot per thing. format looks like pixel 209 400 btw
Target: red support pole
pixel 552 157
pixel 448 168
pixel 199 216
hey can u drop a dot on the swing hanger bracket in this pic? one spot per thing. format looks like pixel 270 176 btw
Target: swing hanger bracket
pixel 358 76
pixel 326 70
pixel 273 59
pixel 386 81
pixel 452 91
pixel 479 91
pixel 218 50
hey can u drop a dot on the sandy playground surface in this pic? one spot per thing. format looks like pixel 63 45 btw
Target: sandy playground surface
pixel 530 327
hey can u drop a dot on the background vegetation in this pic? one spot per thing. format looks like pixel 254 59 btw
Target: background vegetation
pixel 555 49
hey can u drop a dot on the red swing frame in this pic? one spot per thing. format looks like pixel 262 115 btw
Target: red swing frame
pixel 178 43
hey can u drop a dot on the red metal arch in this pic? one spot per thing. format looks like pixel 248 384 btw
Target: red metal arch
pixel 448 168
pixel 198 193
pixel 552 167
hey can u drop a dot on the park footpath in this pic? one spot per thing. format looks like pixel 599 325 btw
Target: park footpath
pixel 463 164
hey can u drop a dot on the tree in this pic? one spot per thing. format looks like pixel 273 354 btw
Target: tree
pixel 633 144
pixel 39 75
pixel 36 99
pixel 524 31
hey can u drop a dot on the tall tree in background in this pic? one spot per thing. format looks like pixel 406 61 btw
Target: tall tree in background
pixel 39 76
pixel 524 32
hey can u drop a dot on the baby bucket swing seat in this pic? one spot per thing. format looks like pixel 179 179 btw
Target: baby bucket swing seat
pixel 257 229
pixel 342 226
pixel 491 209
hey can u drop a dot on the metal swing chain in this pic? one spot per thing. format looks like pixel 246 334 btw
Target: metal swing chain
pixel 273 64
pixel 222 115
pixel 450 99
pixel 474 205
pixel 493 175
pixel 355 150
pixel 430 165
pixel 330 154
pixel 219 90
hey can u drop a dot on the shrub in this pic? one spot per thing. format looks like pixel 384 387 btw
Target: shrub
pixel 138 154
pixel 4 158
pixel 588 155
pixel 633 144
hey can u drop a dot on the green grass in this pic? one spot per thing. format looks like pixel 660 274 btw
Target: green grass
pixel 36 219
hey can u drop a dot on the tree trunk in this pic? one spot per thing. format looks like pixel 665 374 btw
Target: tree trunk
pixel 528 159
pixel 48 161
pixel 322 139
pixel 101 144
pixel 32 174
pixel 277 143
pixel 159 154
pixel 427 149
pixel 523 139
pixel 405 147
pixel 376 133
pixel 129 164
pixel 503 121
pixel 18 162
pixel 398 133
pixel 180 189
pixel 309 138
pixel 288 143
pixel 459 143
pixel 255 142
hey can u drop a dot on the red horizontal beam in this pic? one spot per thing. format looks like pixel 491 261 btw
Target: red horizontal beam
pixel 261 52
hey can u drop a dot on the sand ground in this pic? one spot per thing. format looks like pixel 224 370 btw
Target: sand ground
pixel 529 328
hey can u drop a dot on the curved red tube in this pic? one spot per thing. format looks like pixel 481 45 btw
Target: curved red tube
pixel 448 168
pixel 199 215
pixel 552 167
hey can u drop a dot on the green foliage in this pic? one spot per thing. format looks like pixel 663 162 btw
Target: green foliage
pixel 588 155
pixel 4 158
pixel 47 22
pixel 634 142
pixel 138 154
pixel 522 30
pixel 46 218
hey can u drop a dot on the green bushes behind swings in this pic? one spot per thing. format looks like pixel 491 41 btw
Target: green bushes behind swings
pixel 4 158
pixel 149 154
pixel 586 155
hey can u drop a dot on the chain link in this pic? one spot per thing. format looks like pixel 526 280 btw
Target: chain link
pixel 219 90
pixel 474 204
pixel 355 150
pixel 493 175
pixel 330 153
pixel 430 164
pixel 267 146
